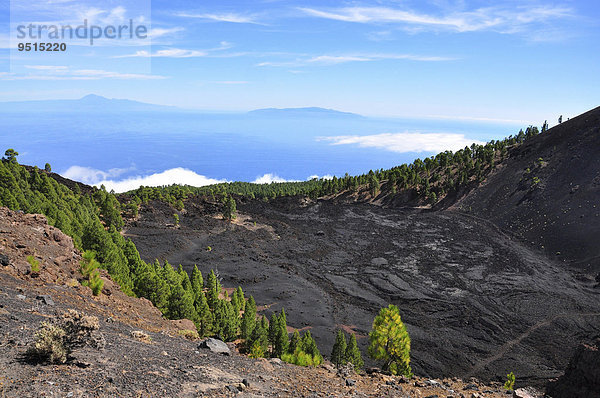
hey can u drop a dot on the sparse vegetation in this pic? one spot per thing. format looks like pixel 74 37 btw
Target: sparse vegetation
pixel 54 341
pixel 189 334
pixel 176 219
pixel 89 270
pixel 510 382
pixel 35 264
pixel 305 352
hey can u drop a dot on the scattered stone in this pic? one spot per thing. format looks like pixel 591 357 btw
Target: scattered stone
pixel 216 346
pixel 433 383
pixel 320 233
pixel 471 386
pixel 419 384
pixel 232 389
pixel 432 396
pixel 21 296
pixel 83 364
pixel 379 261
pixel 403 379
pixel 4 260
pixel 350 382
pixel 240 387
pixel 46 299
pixel 527 392
pixel 141 336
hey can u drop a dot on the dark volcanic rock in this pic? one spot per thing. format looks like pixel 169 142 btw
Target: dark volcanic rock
pixel 6 262
pixel 582 376
pixel 475 301
pixel 561 213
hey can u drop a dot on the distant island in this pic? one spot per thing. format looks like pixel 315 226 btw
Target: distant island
pixel 303 112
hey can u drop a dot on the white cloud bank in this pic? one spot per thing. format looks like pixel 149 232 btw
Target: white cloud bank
pixel 406 142
pixel 177 175
pixel 269 178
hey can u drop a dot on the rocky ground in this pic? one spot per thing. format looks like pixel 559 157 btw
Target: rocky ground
pixel 476 301
pixel 144 355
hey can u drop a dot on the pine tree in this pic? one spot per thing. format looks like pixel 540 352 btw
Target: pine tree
pixel 197 282
pixel 353 355
pixel 205 320
pixel 248 319
pixel 229 209
pixel 338 353
pixel 258 343
pixel 309 345
pixel 237 299
pixel 213 289
pixel 226 320
pixel 281 336
pixel 272 332
pixel 294 342
pixel 389 341
pixel 185 280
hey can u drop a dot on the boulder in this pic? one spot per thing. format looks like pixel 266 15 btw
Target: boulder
pixel 216 346
pixel 527 392
pixel 379 261
pixel 46 299
pixel 4 260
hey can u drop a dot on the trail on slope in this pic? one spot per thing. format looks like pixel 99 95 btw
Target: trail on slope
pixel 510 344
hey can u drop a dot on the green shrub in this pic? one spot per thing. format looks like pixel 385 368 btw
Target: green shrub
pixel 510 382
pixel 89 270
pixel 54 341
pixel 49 344
pixel 189 334
pixel 35 264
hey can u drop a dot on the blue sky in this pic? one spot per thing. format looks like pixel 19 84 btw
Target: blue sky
pixel 508 60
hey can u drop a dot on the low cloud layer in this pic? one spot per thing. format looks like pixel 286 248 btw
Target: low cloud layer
pixel 177 175
pixel 406 142
pixel 269 178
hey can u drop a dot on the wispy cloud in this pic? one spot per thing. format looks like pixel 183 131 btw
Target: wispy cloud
pixel 177 52
pixel 405 142
pixel 230 82
pixel 327 60
pixel 109 179
pixel 499 18
pixel 167 53
pixel 53 72
pixel 222 17
pixel 155 33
